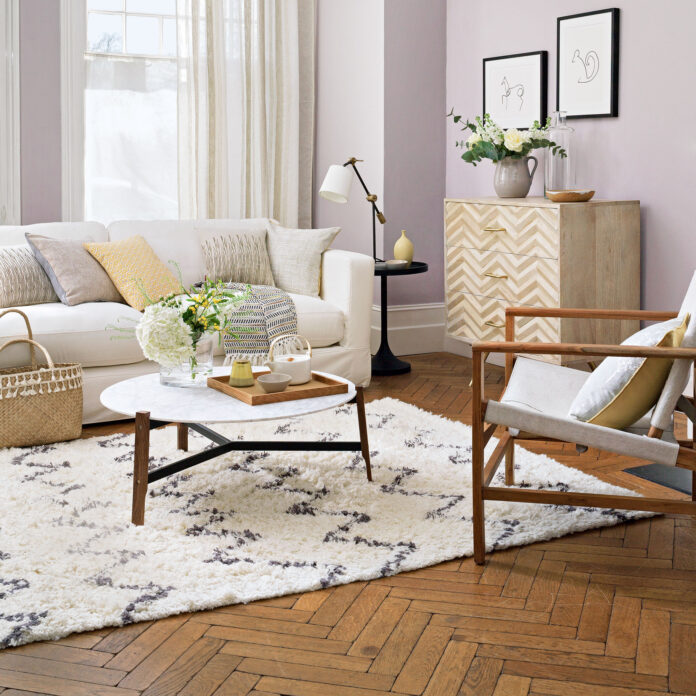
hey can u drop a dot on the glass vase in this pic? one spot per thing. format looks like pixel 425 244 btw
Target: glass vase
pixel 194 372
pixel 560 171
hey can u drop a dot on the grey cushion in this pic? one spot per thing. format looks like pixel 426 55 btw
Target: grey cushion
pixel 75 274
pixel 22 280
pixel 237 254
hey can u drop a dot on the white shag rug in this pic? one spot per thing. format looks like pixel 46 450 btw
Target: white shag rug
pixel 247 526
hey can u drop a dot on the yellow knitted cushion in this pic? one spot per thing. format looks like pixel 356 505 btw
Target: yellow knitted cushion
pixel 135 270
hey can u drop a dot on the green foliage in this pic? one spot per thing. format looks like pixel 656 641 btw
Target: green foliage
pixel 491 140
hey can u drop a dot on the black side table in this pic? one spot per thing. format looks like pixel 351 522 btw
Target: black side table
pixel 385 362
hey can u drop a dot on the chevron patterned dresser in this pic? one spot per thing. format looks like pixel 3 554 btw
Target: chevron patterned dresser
pixel 530 251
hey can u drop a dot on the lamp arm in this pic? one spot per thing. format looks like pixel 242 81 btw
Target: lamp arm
pixel 370 197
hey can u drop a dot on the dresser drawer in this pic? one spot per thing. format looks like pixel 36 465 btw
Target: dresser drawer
pixel 520 280
pixel 482 318
pixel 524 230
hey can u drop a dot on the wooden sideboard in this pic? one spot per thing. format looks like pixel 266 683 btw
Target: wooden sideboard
pixel 530 251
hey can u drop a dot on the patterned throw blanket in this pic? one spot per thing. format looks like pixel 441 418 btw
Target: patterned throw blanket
pixel 268 313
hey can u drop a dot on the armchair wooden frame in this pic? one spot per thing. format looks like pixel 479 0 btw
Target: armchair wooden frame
pixel 483 472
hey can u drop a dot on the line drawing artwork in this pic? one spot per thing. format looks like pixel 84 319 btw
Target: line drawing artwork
pixel 590 65
pixel 508 90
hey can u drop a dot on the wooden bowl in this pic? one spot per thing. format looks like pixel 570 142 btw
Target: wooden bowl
pixel 570 195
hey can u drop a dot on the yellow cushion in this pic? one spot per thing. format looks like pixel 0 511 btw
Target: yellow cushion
pixel 645 386
pixel 135 270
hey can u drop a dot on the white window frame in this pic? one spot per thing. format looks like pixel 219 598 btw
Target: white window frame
pixel 10 164
pixel 73 41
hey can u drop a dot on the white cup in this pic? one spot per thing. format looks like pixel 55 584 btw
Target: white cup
pixel 299 367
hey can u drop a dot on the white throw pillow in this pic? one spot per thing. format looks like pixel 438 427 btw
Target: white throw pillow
pixel 622 389
pixel 296 257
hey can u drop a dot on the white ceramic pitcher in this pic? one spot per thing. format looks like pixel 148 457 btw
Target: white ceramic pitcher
pixel 297 365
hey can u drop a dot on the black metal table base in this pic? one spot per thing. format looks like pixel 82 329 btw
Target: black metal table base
pixel 143 424
pixel 384 362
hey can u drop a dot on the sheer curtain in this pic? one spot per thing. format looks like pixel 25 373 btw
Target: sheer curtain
pixel 246 108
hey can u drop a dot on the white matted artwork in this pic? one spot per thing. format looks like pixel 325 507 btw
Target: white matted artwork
pixel 587 73
pixel 514 89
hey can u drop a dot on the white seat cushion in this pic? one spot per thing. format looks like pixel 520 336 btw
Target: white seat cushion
pixel 74 334
pixel 537 400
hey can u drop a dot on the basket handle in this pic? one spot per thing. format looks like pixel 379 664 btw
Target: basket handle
pixel 277 338
pixel 32 350
pixel 33 344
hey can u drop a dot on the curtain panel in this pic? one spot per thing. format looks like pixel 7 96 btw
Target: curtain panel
pixel 246 109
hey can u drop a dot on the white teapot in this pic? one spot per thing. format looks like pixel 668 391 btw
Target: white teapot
pixel 297 365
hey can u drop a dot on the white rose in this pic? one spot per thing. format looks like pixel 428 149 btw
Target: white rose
pixel 514 140
pixel 473 139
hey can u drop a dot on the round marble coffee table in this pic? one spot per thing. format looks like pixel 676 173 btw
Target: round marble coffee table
pixel 154 405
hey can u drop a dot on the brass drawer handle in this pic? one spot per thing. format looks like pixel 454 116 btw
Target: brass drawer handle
pixel 490 228
pixel 493 325
pixel 499 276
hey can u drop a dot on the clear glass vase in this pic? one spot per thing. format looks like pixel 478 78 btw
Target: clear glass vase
pixel 560 171
pixel 193 373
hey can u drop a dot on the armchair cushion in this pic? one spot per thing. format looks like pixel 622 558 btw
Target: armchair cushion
pixel 537 399
pixel 621 389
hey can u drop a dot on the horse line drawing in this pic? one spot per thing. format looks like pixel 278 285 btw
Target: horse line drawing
pixel 507 91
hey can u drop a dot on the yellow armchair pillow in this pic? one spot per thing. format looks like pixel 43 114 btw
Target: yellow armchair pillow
pixel 135 270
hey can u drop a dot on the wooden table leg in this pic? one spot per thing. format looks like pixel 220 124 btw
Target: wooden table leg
pixel 182 433
pixel 140 466
pixel 362 424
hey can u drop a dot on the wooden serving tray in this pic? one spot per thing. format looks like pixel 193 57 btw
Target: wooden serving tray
pixel 319 385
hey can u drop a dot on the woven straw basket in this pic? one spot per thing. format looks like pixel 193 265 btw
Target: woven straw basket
pixel 39 405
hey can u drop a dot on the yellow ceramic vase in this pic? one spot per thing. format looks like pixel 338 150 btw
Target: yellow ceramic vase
pixel 242 374
pixel 403 249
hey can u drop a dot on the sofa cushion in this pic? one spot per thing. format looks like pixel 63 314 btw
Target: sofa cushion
pixel 177 241
pixel 75 334
pixel 75 274
pixel 136 271
pixel 22 280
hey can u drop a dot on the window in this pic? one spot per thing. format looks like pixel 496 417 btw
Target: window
pixel 130 126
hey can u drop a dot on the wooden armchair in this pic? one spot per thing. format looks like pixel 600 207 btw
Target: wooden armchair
pixel 535 407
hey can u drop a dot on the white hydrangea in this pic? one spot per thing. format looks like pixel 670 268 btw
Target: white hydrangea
pixel 164 336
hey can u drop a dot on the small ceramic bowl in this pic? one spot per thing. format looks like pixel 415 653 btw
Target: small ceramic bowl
pixel 395 264
pixel 274 382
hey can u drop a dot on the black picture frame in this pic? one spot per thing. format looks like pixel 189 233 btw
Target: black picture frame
pixel 541 112
pixel 614 68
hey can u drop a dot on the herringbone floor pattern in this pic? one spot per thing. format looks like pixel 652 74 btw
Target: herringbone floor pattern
pixel 604 613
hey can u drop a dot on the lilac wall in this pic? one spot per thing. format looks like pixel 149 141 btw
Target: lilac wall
pixel 381 97
pixel 349 112
pixel 647 153
pixel 414 141
pixel 39 61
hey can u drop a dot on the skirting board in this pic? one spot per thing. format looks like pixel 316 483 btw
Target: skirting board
pixel 412 328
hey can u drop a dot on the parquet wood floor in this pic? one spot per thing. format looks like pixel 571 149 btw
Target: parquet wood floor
pixel 603 613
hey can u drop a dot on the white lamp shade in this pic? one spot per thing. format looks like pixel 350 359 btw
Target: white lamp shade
pixel 337 182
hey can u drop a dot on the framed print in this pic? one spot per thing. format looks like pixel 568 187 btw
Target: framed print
pixel 587 71
pixel 514 89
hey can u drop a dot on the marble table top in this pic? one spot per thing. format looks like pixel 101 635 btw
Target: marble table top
pixel 204 405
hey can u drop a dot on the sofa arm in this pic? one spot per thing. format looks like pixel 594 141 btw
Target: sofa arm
pixel 347 280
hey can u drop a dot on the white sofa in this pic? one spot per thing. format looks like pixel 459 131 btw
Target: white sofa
pixel 337 323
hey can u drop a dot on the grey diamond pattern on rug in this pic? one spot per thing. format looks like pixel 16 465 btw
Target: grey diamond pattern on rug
pixel 247 526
